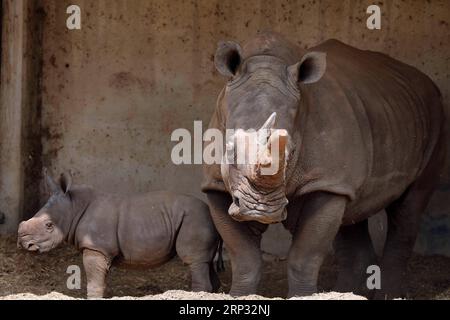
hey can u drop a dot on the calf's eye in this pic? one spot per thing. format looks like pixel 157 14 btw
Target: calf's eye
pixel 49 225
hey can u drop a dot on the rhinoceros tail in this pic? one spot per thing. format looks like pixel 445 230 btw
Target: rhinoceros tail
pixel 220 266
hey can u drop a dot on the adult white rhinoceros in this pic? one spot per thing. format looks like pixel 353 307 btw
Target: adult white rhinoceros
pixel 361 132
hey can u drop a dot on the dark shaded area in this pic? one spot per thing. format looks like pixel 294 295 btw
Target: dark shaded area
pixel 1 34
pixel 32 118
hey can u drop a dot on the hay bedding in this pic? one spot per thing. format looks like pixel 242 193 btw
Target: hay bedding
pixel 25 275
pixel 186 295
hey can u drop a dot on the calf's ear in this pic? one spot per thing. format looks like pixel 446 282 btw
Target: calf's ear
pixel 310 69
pixel 52 186
pixel 228 58
pixel 65 181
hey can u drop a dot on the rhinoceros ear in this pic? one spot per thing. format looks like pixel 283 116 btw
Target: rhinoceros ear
pixel 65 181
pixel 310 69
pixel 228 57
pixel 52 186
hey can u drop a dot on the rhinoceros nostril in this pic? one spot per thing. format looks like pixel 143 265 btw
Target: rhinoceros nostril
pixel 236 201
pixel 32 247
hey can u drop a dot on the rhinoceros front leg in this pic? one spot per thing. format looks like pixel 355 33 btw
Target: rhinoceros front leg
pixel 242 241
pixel 96 266
pixel 318 224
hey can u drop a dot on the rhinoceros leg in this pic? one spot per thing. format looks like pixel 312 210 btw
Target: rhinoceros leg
pixel 96 266
pixel 202 277
pixel 354 253
pixel 196 245
pixel 242 241
pixel 404 216
pixel 318 224
pixel 403 225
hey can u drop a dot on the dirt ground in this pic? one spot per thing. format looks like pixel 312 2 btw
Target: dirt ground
pixel 25 275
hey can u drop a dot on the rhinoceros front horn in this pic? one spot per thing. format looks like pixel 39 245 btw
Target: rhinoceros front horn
pixel 266 129
pixel 272 145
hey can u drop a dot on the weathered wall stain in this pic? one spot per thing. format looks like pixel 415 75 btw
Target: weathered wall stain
pixel 125 81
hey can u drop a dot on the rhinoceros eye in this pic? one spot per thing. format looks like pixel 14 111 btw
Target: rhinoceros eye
pixel 49 225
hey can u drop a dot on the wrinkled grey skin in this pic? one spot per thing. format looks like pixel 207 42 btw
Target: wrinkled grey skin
pixel 142 230
pixel 365 133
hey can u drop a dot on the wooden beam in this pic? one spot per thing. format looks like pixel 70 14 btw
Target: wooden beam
pixel 12 98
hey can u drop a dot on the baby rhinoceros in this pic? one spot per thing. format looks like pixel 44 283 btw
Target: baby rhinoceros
pixel 144 230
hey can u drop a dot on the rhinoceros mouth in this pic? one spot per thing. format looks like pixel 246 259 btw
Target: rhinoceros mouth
pixel 254 215
pixel 250 205
pixel 35 245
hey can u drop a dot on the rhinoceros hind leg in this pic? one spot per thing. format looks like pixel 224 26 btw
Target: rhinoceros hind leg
pixel 200 277
pixel 196 245
pixel 404 216
pixel 403 225
pixel 354 253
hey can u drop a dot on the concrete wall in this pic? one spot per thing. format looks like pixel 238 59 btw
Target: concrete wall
pixel 113 91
